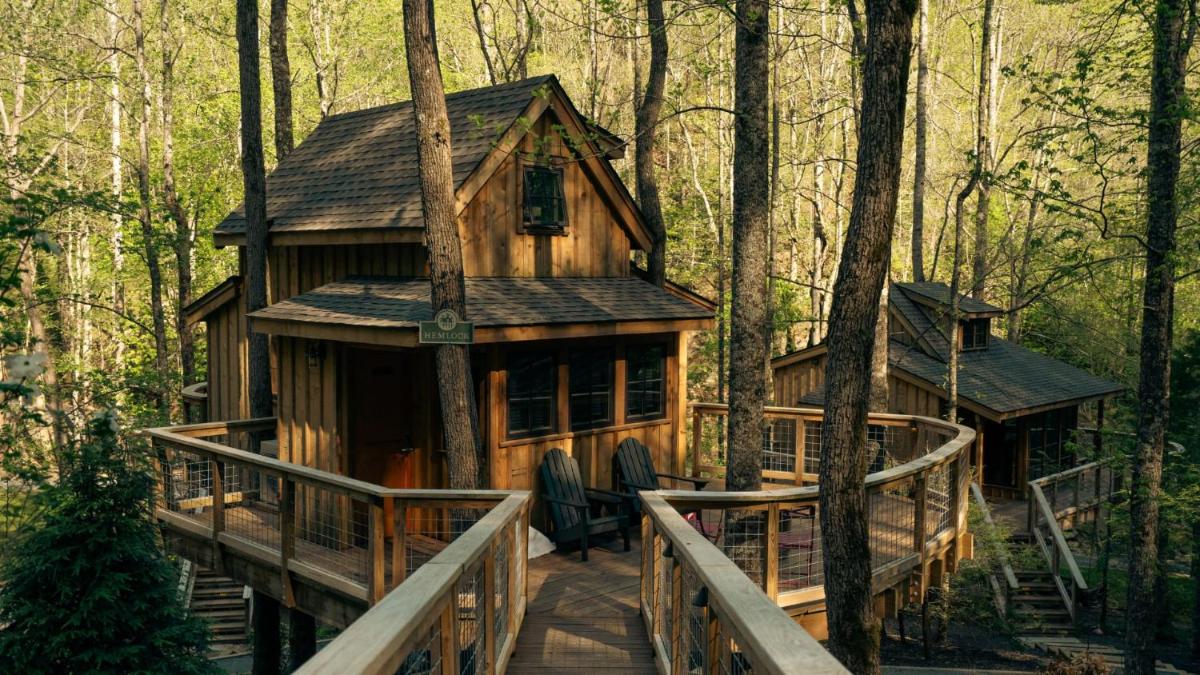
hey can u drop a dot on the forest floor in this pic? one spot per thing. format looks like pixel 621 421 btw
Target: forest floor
pixel 965 648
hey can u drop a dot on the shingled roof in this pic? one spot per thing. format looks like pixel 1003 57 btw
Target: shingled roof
pixel 359 169
pixel 1005 378
pixel 939 293
pixel 399 304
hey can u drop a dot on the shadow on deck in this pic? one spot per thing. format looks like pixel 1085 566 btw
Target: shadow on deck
pixel 583 617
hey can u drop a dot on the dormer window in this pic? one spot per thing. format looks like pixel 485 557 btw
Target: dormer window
pixel 544 208
pixel 975 334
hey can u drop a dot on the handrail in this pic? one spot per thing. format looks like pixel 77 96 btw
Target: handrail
pixel 197 392
pixel 416 623
pixel 1001 595
pixel 717 616
pixel 917 509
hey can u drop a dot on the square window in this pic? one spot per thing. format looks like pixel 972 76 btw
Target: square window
pixel 531 395
pixel 975 333
pixel 590 391
pixel 544 207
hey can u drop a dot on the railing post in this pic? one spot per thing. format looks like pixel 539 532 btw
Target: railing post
pixel 771 553
pixel 697 437
pixel 376 579
pixel 287 537
pixel 489 609
pixel 676 637
pixel 399 542
pixel 799 450
pixel 450 635
pixel 218 504
pixel 713 652
pixel 919 514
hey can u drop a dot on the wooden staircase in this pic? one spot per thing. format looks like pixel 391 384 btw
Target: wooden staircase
pixel 219 601
pixel 1070 647
pixel 1037 607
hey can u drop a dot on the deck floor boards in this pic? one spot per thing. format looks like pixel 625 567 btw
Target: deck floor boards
pixel 584 617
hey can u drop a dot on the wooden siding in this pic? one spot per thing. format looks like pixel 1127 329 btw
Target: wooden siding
pixel 295 269
pixel 493 244
pixel 228 354
pixel 797 379
pixel 909 399
pixel 309 415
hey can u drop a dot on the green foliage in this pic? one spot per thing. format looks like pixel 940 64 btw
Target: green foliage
pixel 89 590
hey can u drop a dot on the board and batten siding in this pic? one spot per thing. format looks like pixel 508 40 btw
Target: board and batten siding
pixel 308 408
pixel 296 269
pixel 228 354
pixel 797 379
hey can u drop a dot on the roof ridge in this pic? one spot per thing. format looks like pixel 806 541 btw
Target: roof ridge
pixel 462 93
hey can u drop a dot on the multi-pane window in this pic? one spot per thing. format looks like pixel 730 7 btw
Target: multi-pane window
pixel 530 394
pixel 591 388
pixel 544 206
pixel 645 386
pixel 975 333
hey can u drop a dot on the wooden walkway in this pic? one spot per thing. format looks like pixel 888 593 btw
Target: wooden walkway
pixel 584 617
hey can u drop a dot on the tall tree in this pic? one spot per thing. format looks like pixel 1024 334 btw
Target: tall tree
pixel 145 215
pixel 645 131
pixel 983 126
pixel 460 424
pixel 1174 32
pixel 254 184
pixel 751 213
pixel 921 128
pixel 853 630
pixel 185 232
pixel 281 78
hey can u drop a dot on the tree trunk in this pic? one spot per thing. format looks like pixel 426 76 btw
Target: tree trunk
pixel 922 142
pixel 149 236
pixel 459 417
pixel 281 79
pixel 982 147
pixel 117 176
pixel 853 629
pixel 879 355
pixel 748 311
pixel 646 127
pixel 266 609
pixel 185 234
pixel 1173 31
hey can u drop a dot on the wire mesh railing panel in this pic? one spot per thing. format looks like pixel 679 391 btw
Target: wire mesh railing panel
pixel 812 447
pixel 185 484
pixel 470 592
pixel 779 445
pixel 800 558
pixel 937 500
pixel 252 506
pixel 500 597
pixel 731 660
pixel 426 657
pixel 693 642
pixel 430 530
pixel 884 449
pixel 712 440
pixel 891 523
pixel 331 532
pixel 664 597
pixel 743 539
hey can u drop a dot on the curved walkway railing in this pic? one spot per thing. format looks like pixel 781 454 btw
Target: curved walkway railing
pixel 442 571
pixel 917 502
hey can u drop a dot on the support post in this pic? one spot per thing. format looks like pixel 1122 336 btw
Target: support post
pixel 287 539
pixel 399 542
pixel 697 438
pixel 799 451
pixel 489 609
pixel 919 513
pixel 218 512
pixel 677 660
pixel 771 553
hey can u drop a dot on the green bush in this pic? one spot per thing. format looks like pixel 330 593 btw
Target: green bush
pixel 89 589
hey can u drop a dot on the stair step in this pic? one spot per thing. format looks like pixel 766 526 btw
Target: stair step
pixel 1039 598
pixel 199 606
pixel 227 628
pixel 222 613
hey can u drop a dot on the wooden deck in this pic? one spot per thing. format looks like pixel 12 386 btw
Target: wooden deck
pixel 583 617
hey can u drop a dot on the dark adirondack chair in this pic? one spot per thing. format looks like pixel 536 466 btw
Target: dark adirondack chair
pixel 575 510
pixel 635 469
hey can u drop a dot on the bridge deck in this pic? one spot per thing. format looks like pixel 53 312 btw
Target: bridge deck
pixel 583 617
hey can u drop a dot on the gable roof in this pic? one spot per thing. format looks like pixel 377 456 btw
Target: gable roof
pixel 390 309
pixel 938 294
pixel 203 307
pixel 357 171
pixel 1001 381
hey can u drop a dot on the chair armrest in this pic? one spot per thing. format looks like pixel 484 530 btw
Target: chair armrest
pixel 606 496
pixel 700 483
pixel 637 487
pixel 565 502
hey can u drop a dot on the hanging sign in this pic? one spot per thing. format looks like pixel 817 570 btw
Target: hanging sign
pixel 446 329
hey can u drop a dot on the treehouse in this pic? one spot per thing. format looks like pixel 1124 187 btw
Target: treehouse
pixel 1024 406
pixel 571 348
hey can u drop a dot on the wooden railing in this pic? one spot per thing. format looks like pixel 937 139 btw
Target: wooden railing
pixel 917 497
pixel 459 613
pixel 1070 496
pixel 195 400
pixel 1003 580
pixel 705 615
pixel 305 536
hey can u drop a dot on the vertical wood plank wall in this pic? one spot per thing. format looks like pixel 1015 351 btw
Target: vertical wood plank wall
pixel 228 354
pixel 797 379
pixel 309 429
pixel 295 269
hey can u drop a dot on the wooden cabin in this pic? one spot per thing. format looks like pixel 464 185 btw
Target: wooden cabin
pixel 1024 405
pixel 572 349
